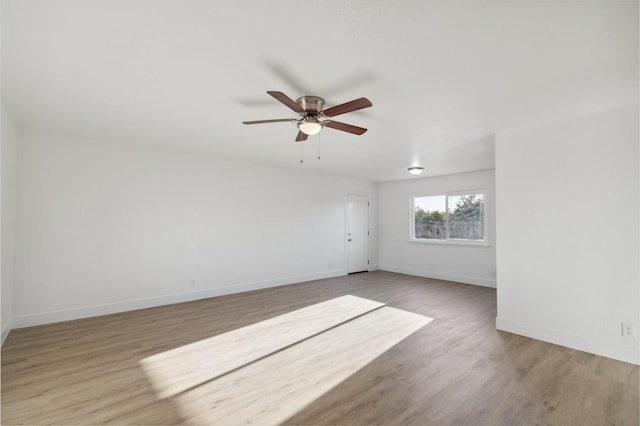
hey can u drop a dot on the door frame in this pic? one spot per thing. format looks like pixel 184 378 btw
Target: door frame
pixel 346 229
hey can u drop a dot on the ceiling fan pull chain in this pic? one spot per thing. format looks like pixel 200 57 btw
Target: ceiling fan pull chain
pixel 319 137
pixel 301 157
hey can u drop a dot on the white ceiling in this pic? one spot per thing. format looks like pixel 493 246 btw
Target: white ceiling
pixel 443 76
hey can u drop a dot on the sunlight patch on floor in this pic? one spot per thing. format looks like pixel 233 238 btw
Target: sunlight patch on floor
pixel 187 366
pixel 268 371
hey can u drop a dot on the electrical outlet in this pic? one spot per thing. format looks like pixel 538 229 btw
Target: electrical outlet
pixel 628 329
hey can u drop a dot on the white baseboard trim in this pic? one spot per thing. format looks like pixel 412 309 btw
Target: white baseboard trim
pixel 440 275
pixel 6 329
pixel 603 348
pixel 30 320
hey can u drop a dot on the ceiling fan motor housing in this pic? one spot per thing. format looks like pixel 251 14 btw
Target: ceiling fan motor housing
pixel 311 104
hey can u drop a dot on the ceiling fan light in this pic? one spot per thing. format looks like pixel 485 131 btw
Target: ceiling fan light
pixel 416 170
pixel 309 127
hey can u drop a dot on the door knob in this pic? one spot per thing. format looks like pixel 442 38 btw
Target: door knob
pixel 349 239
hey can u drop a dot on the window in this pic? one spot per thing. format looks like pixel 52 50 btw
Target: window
pixel 459 217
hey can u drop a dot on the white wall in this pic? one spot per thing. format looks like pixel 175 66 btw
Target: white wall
pixel 105 228
pixel 568 232
pixel 8 154
pixel 466 264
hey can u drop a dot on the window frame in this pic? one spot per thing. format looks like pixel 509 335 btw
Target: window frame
pixel 484 242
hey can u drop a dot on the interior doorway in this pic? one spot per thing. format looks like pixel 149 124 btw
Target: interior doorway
pixel 357 233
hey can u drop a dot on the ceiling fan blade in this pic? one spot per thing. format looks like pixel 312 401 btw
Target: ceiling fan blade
pixel 277 120
pixel 301 137
pixel 287 101
pixel 353 105
pixel 345 127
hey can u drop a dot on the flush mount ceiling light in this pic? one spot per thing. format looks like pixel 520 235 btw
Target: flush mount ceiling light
pixel 309 126
pixel 416 170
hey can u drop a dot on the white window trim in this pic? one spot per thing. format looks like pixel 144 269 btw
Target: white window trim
pixel 450 242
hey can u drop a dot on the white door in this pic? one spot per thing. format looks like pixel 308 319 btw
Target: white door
pixel 357 233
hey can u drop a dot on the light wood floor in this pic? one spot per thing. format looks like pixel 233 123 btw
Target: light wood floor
pixel 456 370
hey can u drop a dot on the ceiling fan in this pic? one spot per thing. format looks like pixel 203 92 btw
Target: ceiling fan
pixel 313 117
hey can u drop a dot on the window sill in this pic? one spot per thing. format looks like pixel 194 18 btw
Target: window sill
pixel 466 243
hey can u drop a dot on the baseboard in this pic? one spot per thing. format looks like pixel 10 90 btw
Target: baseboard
pixel 6 329
pixel 440 275
pixel 582 343
pixel 30 320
